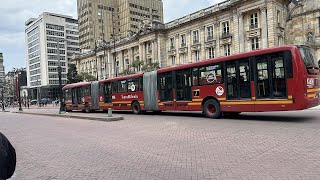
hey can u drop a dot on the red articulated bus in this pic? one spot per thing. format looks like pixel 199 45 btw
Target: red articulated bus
pixel 282 78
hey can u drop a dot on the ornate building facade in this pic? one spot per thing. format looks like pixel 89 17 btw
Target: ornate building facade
pixel 303 24
pixel 230 27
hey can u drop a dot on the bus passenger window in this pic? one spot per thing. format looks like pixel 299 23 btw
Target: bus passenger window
pixel 263 85
pixel 195 74
pixel 279 81
pixel 115 87
pixel 122 86
pixel 211 74
pixel 140 86
pixel 132 85
pixel 232 84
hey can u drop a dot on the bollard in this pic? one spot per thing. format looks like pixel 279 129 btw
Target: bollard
pixel 109 112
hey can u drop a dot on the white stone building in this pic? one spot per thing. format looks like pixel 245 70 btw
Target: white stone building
pixel 41 37
pixel 230 27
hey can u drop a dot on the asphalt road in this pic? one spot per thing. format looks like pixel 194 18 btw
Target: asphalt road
pixel 282 145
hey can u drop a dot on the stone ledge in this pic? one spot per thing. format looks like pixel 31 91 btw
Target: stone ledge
pixel 106 119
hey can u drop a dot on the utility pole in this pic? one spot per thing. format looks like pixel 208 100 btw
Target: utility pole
pixel 114 43
pixel 104 45
pixel 95 52
pixel 19 94
pixel 2 99
pixel 60 81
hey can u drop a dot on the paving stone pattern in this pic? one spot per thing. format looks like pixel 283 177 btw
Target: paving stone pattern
pixel 283 145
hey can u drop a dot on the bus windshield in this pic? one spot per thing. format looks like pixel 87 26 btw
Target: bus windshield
pixel 308 56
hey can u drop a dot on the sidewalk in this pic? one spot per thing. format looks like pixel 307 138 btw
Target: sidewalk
pixel 315 108
pixel 54 112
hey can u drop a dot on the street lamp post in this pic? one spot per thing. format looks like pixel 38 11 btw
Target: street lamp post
pixel 19 94
pixel 2 97
pixel 60 81
pixel 38 92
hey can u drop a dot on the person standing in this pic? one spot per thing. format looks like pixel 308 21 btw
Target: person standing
pixel 7 158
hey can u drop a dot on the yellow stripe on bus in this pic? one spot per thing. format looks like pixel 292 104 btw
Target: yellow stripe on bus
pixel 313 90
pixel 257 102
pixel 311 95
pixel 194 104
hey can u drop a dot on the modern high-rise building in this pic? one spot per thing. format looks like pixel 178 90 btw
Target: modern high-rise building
pixel 41 38
pixel 101 19
pixel 2 73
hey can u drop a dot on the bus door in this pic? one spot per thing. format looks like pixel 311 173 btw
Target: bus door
pixel 238 86
pixel 183 88
pixel 107 92
pixel 270 80
pixel 166 91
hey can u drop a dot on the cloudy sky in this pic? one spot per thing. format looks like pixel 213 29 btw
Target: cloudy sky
pixel 14 13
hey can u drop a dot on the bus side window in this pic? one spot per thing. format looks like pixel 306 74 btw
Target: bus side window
pixel 114 87
pixel 122 86
pixel 195 76
pixel 288 61
pixel 132 85
pixel 211 74
pixel 101 88
pixel 140 86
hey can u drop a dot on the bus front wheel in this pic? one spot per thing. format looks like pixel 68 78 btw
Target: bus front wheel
pixel 136 109
pixel 211 109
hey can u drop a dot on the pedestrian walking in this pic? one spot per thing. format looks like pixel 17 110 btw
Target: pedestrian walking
pixel 7 158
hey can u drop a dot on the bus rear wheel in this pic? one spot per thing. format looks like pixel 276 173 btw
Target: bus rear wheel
pixel 136 109
pixel 211 109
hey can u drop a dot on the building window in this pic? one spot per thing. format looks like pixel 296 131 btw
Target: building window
pixel 183 40
pixel 197 56
pixel 254 21
pixel 127 64
pixel 226 29
pixel 278 17
pixel 210 54
pixel 255 43
pixel 171 43
pixel 183 58
pixel 195 37
pixel 280 41
pixel 226 49
pixel 209 33
pixel 173 60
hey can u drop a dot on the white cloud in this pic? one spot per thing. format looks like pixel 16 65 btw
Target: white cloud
pixel 14 14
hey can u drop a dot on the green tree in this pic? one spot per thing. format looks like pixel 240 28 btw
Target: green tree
pixel 136 64
pixel 73 76
pixel 87 77
pixel 150 67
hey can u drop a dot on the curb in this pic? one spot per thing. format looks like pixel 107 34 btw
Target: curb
pixel 106 119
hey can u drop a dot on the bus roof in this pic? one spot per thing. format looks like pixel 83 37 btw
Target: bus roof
pixel 227 58
pixel 122 77
pixel 75 85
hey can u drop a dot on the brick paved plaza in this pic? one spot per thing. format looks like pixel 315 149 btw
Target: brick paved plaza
pixel 283 145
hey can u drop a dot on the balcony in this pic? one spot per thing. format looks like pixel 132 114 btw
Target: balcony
pixel 210 44
pixel 196 47
pixel 253 33
pixel 209 38
pixel 196 41
pixel 226 35
pixel 183 45
pixel 253 26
